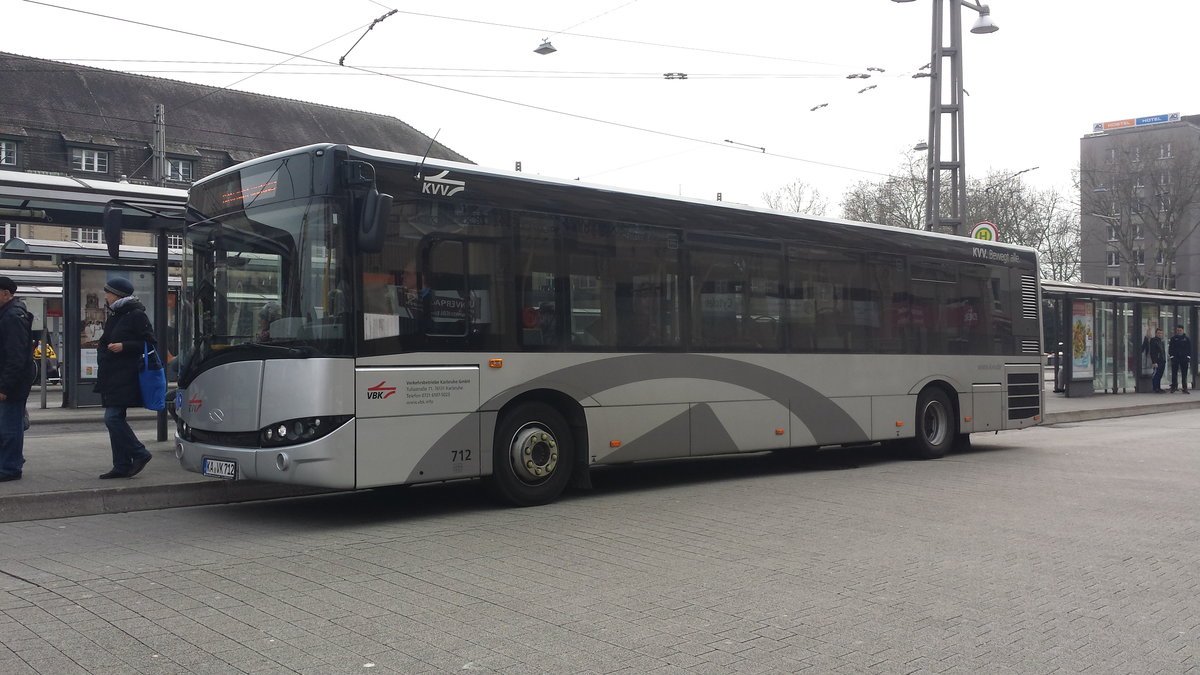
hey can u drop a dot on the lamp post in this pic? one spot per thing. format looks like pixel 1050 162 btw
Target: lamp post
pixel 952 165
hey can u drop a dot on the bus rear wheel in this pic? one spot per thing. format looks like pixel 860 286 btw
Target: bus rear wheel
pixel 533 455
pixel 937 426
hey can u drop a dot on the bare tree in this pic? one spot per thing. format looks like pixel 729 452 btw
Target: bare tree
pixel 1045 220
pixel 1042 219
pixel 797 196
pixel 1145 193
pixel 898 201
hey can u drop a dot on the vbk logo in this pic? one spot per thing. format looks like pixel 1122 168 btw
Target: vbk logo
pixel 379 391
pixel 194 404
pixel 440 185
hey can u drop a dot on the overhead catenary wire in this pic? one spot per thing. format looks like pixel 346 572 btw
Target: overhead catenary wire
pixel 414 71
pixel 342 61
pixel 497 99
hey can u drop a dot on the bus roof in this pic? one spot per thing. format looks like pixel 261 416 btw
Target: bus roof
pixel 441 164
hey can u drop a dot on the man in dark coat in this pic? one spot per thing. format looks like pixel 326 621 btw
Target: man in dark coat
pixel 118 359
pixel 1158 356
pixel 16 379
pixel 1179 348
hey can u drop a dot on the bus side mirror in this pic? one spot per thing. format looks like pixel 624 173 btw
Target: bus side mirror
pixel 373 224
pixel 114 219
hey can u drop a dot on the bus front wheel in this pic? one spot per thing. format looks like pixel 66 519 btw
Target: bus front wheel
pixel 532 456
pixel 936 425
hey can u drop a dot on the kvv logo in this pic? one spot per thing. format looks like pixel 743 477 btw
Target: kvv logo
pixel 442 186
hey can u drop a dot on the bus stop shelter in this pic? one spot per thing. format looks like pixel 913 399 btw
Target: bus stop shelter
pixel 112 207
pixel 1095 336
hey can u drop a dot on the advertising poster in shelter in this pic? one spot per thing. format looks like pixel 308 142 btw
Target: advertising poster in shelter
pixel 93 311
pixel 1082 332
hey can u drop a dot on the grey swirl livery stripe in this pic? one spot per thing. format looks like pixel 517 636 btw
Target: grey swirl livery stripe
pixel 825 420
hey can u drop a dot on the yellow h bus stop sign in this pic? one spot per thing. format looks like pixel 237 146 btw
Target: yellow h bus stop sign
pixel 985 231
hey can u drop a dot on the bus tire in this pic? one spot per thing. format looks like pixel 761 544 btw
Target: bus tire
pixel 937 426
pixel 533 455
pixel 962 443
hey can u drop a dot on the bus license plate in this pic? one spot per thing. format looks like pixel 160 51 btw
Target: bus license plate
pixel 220 468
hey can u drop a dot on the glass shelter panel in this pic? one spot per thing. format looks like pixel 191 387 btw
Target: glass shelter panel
pixel 1127 339
pixel 1103 344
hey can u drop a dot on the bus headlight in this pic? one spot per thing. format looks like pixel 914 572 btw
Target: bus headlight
pixel 300 430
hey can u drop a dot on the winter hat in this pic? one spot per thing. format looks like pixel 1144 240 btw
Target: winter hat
pixel 119 287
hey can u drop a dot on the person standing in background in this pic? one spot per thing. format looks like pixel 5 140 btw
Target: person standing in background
pixel 118 358
pixel 1156 350
pixel 1180 350
pixel 16 379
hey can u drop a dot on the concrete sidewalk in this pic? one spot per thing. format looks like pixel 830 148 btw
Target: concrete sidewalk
pixel 61 470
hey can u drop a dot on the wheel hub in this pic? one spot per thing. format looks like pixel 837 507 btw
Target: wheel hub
pixel 534 454
pixel 935 423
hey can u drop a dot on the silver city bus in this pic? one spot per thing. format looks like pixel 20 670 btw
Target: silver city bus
pixel 356 318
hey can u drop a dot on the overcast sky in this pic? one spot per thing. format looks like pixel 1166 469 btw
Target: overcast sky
pixel 599 108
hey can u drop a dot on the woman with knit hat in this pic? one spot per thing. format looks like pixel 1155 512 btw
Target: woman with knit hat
pixel 118 359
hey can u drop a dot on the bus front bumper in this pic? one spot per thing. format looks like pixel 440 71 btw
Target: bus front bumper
pixel 326 462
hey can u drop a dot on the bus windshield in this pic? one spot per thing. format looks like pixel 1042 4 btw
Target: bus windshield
pixel 267 281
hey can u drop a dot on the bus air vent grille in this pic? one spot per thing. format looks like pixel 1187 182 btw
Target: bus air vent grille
pixel 1024 395
pixel 237 439
pixel 1029 297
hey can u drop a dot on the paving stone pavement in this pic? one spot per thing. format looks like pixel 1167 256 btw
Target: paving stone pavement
pixel 61 469
pixel 1061 549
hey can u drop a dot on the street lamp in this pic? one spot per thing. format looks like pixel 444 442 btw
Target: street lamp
pixel 953 165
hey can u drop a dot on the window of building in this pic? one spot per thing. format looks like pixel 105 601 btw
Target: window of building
pixel 179 170
pixel 95 161
pixel 1164 178
pixel 1164 150
pixel 1112 280
pixel 174 241
pixel 1135 207
pixel 8 231
pixel 1138 231
pixel 1139 182
pixel 87 235
pixel 1113 232
pixel 8 153
pixel 1165 281
pixel 1164 201
pixel 1114 258
pixel 1161 257
pixel 1110 156
pixel 1139 256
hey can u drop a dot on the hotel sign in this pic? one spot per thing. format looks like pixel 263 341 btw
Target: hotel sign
pixel 1101 127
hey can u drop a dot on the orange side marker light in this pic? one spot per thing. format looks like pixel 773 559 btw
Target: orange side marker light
pixel 495 363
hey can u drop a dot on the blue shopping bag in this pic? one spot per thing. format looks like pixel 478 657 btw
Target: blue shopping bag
pixel 152 379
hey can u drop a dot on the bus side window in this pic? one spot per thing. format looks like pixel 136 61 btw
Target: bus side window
pixel 443 295
pixel 538 280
